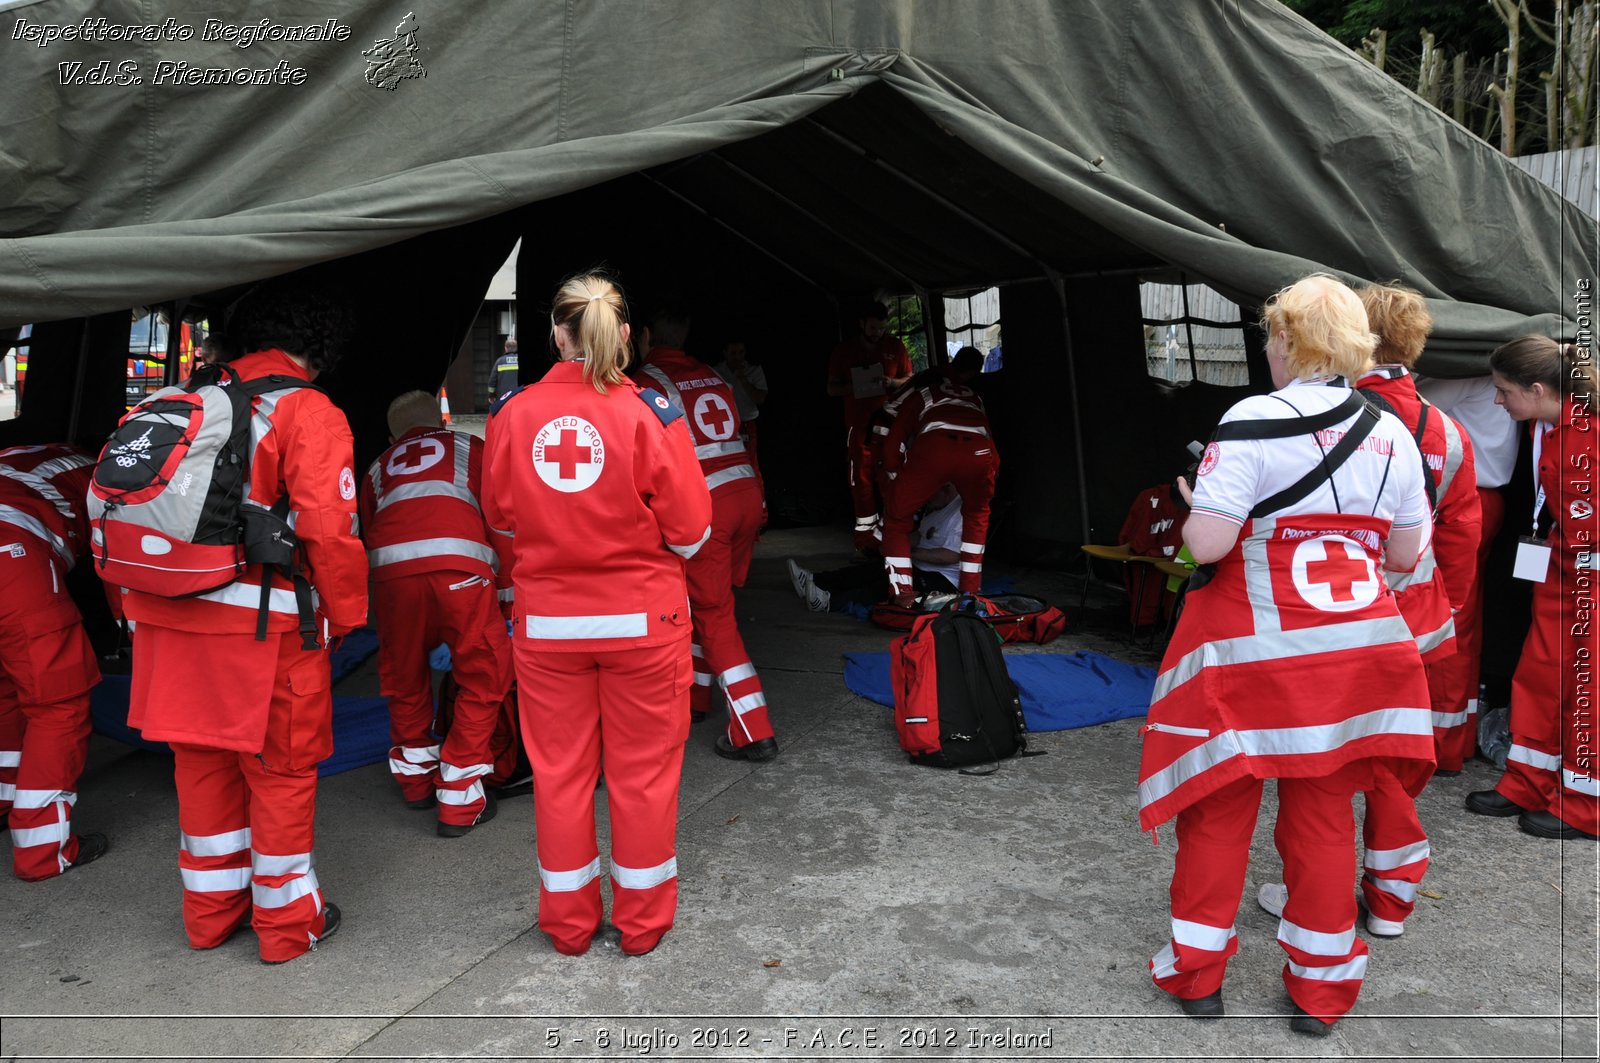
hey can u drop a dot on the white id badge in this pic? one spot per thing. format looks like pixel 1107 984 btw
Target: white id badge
pixel 1533 560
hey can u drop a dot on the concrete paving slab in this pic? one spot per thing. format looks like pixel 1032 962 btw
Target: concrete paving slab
pixel 836 903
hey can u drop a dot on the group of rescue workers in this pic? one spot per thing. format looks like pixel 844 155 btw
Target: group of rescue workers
pixel 604 522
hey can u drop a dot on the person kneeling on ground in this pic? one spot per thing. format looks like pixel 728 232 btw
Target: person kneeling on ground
pixel 935 557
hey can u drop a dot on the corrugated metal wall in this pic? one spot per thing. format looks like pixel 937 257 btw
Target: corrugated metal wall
pixel 1571 172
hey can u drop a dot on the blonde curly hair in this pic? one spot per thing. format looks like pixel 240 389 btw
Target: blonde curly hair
pixel 1325 326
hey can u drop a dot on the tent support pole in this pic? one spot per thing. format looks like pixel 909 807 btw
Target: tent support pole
pixel 936 352
pixel 1060 284
pixel 1188 327
pixel 815 220
pixel 697 208
pixel 77 391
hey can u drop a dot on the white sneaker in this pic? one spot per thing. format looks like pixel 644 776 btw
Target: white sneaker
pixel 1384 928
pixel 800 578
pixel 1273 897
pixel 817 599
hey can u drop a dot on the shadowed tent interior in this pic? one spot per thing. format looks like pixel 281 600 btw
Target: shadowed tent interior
pixel 771 165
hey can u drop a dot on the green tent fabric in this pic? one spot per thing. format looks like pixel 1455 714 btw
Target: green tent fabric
pixel 937 142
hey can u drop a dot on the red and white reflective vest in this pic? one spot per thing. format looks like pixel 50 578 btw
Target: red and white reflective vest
pixel 1438 583
pixel 300 448
pixel 420 509
pixel 1292 661
pixel 938 405
pixel 708 405
pixel 42 490
pixel 597 499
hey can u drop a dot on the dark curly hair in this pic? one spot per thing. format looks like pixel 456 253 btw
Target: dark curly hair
pixel 296 316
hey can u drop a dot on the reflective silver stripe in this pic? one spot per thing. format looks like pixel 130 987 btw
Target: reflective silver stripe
pixel 50 834
pixel 717 450
pixel 1583 784
pixel 7 791
pixel 1389 859
pixel 569 881
pixel 1433 639
pixel 614 626
pixel 727 476
pixel 1275 645
pixel 972 548
pixel 217 880
pixel 1202 935
pixel 695 650
pixel 420 548
pixel 972 566
pixel 42 798
pixel 225 844
pixel 643 878
pixel 1282 741
pixel 702 679
pixel 1316 942
pixel 37 480
pixel 866 523
pixel 10 758
pixel 248 595
pixel 506 594
pixel 1355 970
pixel 749 702
pixel 1258 577
pixel 29 523
pixel 1454 454
pixel 1394 887
pixel 290 864
pixel 668 388
pixel 1172 728
pixel 1164 964
pixel 425 489
pixel 1427 564
pixel 1533 758
pixel 420 754
pixel 737 674
pixel 1446 720
pixel 470 796
pixel 450 773
pixel 284 895
pixel 945 426
pixel 689 551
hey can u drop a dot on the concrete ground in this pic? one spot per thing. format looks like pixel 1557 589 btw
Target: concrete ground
pixel 835 903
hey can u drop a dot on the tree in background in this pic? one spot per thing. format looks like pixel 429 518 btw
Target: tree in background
pixel 1521 72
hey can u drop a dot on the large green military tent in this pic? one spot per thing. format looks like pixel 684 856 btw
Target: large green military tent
pixel 769 158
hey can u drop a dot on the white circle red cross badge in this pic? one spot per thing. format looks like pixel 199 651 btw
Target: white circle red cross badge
pixel 714 416
pixel 1335 574
pixel 568 454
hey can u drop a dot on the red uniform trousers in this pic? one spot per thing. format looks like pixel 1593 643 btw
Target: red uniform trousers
pixel 720 565
pixel 1550 766
pixel 46 671
pixel 1454 682
pixel 965 459
pixel 1397 849
pixel 246 819
pixel 863 484
pixel 626 708
pixel 1315 836
pixel 415 613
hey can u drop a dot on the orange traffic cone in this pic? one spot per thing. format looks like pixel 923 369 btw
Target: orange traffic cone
pixel 444 406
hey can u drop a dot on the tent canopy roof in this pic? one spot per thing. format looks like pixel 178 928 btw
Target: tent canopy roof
pixel 922 143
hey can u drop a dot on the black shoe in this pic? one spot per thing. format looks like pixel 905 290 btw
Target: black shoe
pixel 1549 825
pixel 516 788
pixel 765 749
pixel 1309 1024
pixel 1492 803
pixel 330 923
pixel 1446 773
pixel 91 847
pixel 461 830
pixel 1208 1007
pixel 695 715
pixel 422 803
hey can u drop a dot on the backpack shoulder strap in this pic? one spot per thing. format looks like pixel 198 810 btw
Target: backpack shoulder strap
pixel 1284 427
pixel 1330 463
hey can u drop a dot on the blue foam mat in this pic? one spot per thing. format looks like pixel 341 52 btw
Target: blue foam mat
pixel 1059 691
pixel 360 724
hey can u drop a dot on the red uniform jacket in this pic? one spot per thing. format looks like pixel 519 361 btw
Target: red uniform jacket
pixel 1568 467
pixel 42 489
pixel 888 352
pixel 1458 520
pixel 420 509
pixel 940 405
pixel 301 448
pixel 708 405
pixel 603 499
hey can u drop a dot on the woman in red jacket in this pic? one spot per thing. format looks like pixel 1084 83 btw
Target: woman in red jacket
pixel 1549 782
pixel 594 488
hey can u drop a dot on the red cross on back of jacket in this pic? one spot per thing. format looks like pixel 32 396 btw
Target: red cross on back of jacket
pixel 420 508
pixel 709 407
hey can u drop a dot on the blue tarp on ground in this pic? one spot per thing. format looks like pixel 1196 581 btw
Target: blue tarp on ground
pixel 360 725
pixel 1059 691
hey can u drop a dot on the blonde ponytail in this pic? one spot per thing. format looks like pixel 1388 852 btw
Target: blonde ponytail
pixel 590 307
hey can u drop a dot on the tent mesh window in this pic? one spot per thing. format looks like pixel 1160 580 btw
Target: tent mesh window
pixel 1192 333
pixel 973 320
